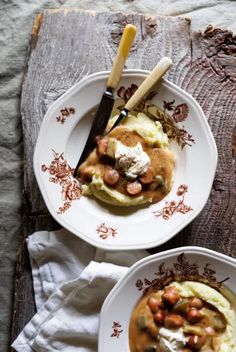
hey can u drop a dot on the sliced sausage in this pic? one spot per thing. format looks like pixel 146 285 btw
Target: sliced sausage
pixel 196 303
pixel 173 321
pixel 102 145
pixel 159 316
pixel 111 177
pixel 153 303
pixel 147 177
pixel 170 296
pixel 194 315
pixel 196 342
pixel 134 188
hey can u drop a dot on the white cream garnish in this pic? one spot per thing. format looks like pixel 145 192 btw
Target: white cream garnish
pixel 132 161
pixel 171 340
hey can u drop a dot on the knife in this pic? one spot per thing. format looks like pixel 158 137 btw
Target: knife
pixel 159 70
pixel 106 104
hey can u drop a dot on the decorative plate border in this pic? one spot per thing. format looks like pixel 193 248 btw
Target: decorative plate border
pixel 172 207
pixel 62 173
pixel 104 231
pixel 181 270
pixel 51 128
pixel 116 331
pixel 64 114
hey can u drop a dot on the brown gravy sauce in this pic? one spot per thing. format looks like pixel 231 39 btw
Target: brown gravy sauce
pixel 162 161
pixel 138 338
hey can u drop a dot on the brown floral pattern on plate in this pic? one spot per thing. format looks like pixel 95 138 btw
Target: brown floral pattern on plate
pixel 64 114
pixel 61 173
pixel 126 93
pixel 180 112
pixel 173 207
pixel 116 329
pixel 176 113
pixel 181 270
pixel 104 232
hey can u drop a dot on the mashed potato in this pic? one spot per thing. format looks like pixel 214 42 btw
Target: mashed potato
pixel 151 131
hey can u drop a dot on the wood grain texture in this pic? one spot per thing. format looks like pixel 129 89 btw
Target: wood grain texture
pixel 68 45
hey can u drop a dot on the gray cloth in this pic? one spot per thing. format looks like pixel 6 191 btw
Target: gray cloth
pixel 17 17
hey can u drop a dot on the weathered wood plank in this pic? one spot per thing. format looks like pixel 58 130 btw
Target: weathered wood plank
pixel 67 45
pixel 213 83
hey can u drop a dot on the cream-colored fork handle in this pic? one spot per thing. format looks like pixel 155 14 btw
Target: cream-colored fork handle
pixel 122 54
pixel 161 68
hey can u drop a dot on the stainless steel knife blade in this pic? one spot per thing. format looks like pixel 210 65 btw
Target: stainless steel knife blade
pixel 98 126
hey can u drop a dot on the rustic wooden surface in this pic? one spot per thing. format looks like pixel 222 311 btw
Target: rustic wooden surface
pixel 68 45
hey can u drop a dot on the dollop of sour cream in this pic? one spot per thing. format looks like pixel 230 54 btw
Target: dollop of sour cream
pixel 131 161
pixel 171 340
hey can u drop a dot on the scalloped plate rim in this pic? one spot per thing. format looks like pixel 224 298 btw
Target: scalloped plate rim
pixel 103 244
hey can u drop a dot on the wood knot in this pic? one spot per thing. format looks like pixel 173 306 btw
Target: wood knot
pixel 218 185
pixel 118 27
pixel 116 32
pixel 220 49
pixel 150 25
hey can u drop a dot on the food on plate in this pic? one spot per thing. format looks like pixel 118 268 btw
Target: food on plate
pixel 184 316
pixel 131 165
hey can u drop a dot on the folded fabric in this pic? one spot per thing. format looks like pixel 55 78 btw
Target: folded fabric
pixel 71 280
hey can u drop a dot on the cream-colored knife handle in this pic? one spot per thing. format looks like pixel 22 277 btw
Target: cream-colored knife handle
pixel 122 54
pixel 161 68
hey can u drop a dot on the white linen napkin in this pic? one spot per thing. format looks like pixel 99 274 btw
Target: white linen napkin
pixel 71 280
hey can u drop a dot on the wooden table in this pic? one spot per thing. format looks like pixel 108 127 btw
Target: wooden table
pixel 68 45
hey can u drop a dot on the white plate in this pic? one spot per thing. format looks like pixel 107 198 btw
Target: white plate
pixel 61 139
pixel 205 265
